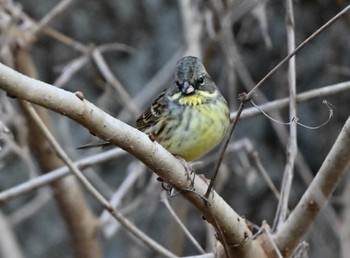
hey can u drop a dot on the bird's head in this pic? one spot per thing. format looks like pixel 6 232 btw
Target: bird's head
pixel 191 76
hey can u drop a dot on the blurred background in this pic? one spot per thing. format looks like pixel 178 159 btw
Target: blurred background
pixel 121 55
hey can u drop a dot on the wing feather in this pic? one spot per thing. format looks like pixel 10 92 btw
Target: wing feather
pixel 153 113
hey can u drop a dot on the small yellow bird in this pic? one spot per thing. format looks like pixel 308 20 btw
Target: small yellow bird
pixel 191 117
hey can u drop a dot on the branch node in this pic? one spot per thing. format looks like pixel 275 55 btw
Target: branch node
pixel 244 97
pixel 80 95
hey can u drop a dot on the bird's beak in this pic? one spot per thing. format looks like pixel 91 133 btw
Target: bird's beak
pixel 187 88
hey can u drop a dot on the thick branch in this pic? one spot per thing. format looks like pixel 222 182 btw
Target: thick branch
pixel 137 143
pixel 316 196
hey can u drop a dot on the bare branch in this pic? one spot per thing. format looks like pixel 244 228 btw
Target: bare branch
pixel 9 247
pixel 114 82
pixel 56 11
pixel 108 224
pixel 165 200
pixel 56 174
pixel 318 193
pixel 192 23
pixel 298 48
pixel 302 97
pixel 292 148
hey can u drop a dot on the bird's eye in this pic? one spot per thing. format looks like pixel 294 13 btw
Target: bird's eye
pixel 200 80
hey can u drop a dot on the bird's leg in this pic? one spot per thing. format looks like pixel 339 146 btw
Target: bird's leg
pixel 189 170
pixel 165 186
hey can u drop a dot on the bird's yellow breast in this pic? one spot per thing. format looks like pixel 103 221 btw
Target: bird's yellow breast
pixel 197 129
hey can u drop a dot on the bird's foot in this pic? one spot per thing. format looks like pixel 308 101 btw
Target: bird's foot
pixel 190 173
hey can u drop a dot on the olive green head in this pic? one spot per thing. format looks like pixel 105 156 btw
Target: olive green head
pixel 191 76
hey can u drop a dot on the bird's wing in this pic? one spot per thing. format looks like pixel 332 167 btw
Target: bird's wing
pixel 153 114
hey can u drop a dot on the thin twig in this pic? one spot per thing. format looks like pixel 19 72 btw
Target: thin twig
pixel 302 97
pixel 292 148
pixel 124 96
pixel 164 199
pixel 298 48
pixel 265 175
pixel 221 234
pixel 57 174
pixel 65 39
pixel 267 230
pixel 108 224
pixel 31 207
pixel 78 63
pixel 223 149
pixel 57 10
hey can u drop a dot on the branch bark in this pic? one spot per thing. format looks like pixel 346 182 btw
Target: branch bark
pixel 332 170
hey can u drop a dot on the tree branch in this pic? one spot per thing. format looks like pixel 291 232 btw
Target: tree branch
pixel 292 148
pixel 137 143
pixel 318 193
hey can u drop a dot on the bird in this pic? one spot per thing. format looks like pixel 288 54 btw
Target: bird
pixel 190 117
